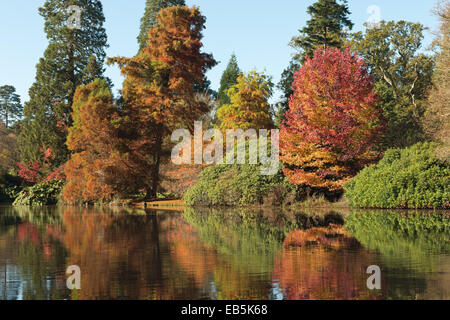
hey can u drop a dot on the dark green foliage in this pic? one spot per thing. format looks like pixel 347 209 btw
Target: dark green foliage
pixel 285 85
pixel 403 76
pixel 10 106
pixel 152 8
pixel 404 178
pixel 229 79
pixel 235 185
pixel 73 57
pixel 326 28
pixel 41 194
pixel 10 186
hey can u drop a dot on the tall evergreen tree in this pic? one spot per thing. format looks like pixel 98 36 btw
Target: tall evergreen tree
pixel 152 8
pixel 229 79
pixel 326 28
pixel 73 57
pixel 10 106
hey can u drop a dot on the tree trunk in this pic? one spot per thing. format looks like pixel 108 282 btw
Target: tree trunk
pixel 152 193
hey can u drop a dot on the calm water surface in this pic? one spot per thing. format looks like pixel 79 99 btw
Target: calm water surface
pixel 223 254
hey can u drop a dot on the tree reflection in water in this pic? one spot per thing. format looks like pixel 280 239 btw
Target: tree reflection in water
pixel 222 254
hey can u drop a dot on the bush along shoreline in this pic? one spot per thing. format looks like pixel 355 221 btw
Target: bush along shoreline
pixel 411 178
pixel 243 186
pixel 41 194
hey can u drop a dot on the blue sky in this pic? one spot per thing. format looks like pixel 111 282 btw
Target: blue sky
pixel 258 31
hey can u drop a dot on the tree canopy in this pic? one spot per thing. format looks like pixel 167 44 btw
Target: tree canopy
pixel 333 122
pixel 249 107
pixel 403 77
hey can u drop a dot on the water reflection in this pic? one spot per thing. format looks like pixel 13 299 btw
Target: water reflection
pixel 222 254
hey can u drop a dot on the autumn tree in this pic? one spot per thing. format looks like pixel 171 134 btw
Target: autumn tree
pixel 328 27
pixel 93 170
pixel 74 56
pixel 161 88
pixel 10 106
pixel 149 20
pixel 437 119
pixel 403 73
pixel 333 122
pixel 249 107
pixel 8 150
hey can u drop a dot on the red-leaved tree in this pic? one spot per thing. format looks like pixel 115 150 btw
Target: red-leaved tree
pixel 333 123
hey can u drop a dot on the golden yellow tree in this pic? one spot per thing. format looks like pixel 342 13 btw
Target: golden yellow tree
pixel 249 107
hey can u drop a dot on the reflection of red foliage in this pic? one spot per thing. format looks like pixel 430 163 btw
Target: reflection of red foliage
pixel 28 231
pixel 322 263
pixel 53 232
pixel 47 249
pixel 324 236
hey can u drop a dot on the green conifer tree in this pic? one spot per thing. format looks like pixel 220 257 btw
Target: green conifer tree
pixel 75 55
pixel 229 79
pixel 10 106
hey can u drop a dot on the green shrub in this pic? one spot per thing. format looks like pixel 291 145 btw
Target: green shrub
pixel 44 193
pixel 236 185
pixel 404 178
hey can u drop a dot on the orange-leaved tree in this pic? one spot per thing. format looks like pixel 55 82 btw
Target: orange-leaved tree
pixel 249 107
pixel 93 168
pixel 161 88
pixel 333 122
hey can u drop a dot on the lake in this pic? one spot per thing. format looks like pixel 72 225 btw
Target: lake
pixel 223 253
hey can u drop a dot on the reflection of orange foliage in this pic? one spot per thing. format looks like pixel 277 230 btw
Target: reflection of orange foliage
pixel 124 256
pixel 205 265
pixel 47 249
pixel 196 259
pixel 322 263
pixel 325 236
